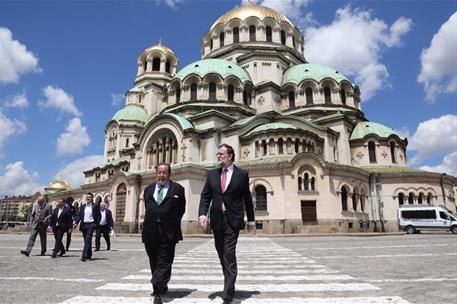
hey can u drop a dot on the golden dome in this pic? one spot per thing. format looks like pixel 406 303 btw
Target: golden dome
pixel 161 48
pixel 59 185
pixel 244 12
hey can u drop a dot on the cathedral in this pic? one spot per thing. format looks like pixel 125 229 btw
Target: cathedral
pixel 316 164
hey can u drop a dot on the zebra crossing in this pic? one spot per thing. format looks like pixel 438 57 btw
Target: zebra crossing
pixel 267 274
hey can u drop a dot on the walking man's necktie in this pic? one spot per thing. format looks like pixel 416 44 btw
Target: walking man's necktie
pixel 223 180
pixel 160 195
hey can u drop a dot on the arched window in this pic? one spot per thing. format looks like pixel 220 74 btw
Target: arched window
pixel 167 66
pixel 264 147
pixel 283 38
pixel 293 41
pixel 268 32
pixel 252 33
pixel 178 94
pixel 299 183
pixel 362 202
pixel 145 66
pixel 327 95
pixel 245 98
pixel 354 201
pixel 401 199
pixel 297 145
pixel 309 96
pixel 392 152
pixel 429 198
pixel 193 92
pixel 121 195
pixel 343 96
pixel 306 182
pixel 411 198
pixel 313 183
pixel 211 44
pixel 280 146
pixel 344 198
pixel 212 91
pixel 221 39
pixel 372 152
pixel 230 92
pixel 420 200
pixel 236 35
pixel 260 198
pixel 156 64
pixel 292 99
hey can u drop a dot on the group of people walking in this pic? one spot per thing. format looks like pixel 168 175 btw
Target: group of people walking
pixel 225 196
pixel 66 216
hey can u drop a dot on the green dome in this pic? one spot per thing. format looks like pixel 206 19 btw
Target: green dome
pixel 271 126
pixel 131 112
pixel 365 128
pixel 317 72
pixel 221 67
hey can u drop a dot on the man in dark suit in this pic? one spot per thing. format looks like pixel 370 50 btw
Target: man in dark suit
pixel 89 217
pixel 41 215
pixel 165 204
pixel 227 188
pixel 69 204
pixel 104 228
pixel 61 221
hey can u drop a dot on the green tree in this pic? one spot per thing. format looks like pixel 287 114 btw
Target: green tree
pixel 25 212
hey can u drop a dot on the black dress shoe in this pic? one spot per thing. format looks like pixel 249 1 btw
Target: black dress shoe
pixel 108 247
pixel 42 253
pixel 96 249
pixel 24 252
pixel 53 255
pixel 227 301
pixel 83 259
pixel 61 253
pixel 158 299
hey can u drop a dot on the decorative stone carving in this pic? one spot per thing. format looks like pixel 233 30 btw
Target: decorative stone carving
pixel 360 155
pixel 384 154
pixel 261 100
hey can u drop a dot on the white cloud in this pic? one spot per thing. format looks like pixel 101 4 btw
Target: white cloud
pixel 448 166
pixel 17 101
pixel 171 3
pixel 290 8
pixel 9 127
pixel 73 172
pixel 439 64
pixel 403 132
pixel 434 137
pixel 117 100
pixel 74 139
pixel 353 43
pixel 18 181
pixel 60 100
pixel 15 59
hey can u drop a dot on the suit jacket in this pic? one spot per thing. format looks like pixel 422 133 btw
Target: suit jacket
pixel 95 214
pixel 109 218
pixel 236 193
pixel 64 221
pixel 168 215
pixel 41 215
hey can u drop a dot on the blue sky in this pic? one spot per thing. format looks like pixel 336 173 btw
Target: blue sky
pixel 64 64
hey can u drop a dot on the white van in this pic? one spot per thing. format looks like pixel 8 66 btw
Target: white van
pixel 414 218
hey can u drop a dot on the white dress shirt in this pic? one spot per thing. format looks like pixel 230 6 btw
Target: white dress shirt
pixel 164 191
pixel 88 216
pixel 103 219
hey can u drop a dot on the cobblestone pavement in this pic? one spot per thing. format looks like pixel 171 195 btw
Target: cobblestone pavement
pixel 397 269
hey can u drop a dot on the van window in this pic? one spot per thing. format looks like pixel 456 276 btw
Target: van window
pixel 444 215
pixel 418 214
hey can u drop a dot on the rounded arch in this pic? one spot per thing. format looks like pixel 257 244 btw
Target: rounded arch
pixel 260 181
pixel 120 202
pixel 98 199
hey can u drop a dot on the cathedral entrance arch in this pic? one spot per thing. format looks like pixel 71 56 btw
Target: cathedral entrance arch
pixel 162 147
pixel 121 196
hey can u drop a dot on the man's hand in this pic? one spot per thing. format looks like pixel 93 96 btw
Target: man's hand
pixel 203 222
pixel 250 228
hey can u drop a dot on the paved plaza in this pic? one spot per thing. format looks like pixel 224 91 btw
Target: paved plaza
pixel 396 269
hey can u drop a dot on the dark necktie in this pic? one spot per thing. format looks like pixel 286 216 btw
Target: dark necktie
pixel 160 196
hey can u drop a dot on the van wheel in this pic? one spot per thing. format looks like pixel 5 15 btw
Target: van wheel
pixel 410 230
pixel 454 229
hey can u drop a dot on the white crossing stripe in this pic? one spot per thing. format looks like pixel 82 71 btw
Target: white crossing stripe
pixel 294 300
pixel 248 287
pixel 240 261
pixel 244 272
pixel 386 255
pixel 213 266
pixel 413 280
pixel 341 277
pixel 81 280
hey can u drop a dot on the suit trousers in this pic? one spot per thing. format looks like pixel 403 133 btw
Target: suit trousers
pixel 67 247
pixel 102 230
pixel 41 230
pixel 88 231
pixel 225 240
pixel 161 254
pixel 58 235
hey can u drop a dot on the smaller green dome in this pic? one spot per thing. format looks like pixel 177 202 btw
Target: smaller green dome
pixel 131 112
pixel 317 72
pixel 364 128
pixel 221 67
pixel 271 126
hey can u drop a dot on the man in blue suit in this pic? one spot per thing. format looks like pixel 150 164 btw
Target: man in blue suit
pixel 104 227
pixel 89 217
pixel 165 204
pixel 61 221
